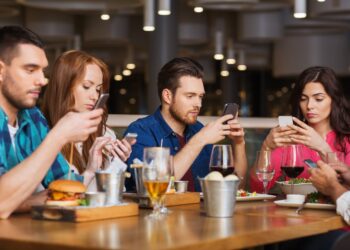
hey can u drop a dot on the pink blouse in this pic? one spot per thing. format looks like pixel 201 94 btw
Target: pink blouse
pixel 276 157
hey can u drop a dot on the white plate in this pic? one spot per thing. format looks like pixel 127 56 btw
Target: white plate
pixel 257 197
pixel 285 203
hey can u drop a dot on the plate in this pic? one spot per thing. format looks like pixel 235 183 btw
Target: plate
pixel 285 203
pixel 256 197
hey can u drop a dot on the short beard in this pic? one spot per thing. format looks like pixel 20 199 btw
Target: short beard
pixel 10 97
pixel 173 112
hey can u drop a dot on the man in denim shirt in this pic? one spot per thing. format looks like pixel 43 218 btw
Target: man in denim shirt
pixel 175 125
pixel 29 153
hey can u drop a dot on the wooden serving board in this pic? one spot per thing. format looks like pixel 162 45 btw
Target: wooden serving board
pixel 175 199
pixel 83 213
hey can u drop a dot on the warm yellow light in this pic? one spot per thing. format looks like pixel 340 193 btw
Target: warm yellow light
pixel 224 73
pixel 230 61
pixel 198 9
pixel 131 66
pixel 242 67
pixel 164 12
pixel 105 17
pixel 126 72
pixel 299 15
pixel 148 28
pixel 218 56
pixel 118 77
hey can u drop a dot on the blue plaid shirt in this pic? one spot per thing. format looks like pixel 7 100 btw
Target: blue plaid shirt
pixel 32 129
pixel 151 130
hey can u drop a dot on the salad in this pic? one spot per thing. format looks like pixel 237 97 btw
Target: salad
pixel 243 193
pixel 317 197
pixel 298 181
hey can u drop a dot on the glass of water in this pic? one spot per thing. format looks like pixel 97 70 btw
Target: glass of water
pixel 263 168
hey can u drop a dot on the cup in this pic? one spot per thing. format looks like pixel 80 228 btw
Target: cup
pixel 181 186
pixel 112 184
pixel 295 198
pixel 219 197
pixel 95 199
pixel 140 188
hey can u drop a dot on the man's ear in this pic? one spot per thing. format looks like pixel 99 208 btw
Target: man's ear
pixel 167 96
pixel 2 70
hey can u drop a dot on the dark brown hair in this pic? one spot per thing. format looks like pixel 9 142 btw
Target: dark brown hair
pixel 340 108
pixel 168 77
pixel 58 98
pixel 11 37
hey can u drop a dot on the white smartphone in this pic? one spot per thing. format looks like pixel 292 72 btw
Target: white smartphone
pixel 284 121
pixel 130 136
pixel 101 100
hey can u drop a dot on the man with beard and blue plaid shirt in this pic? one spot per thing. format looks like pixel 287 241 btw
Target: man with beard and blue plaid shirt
pixel 29 152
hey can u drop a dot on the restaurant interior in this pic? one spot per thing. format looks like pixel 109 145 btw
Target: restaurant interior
pixel 251 50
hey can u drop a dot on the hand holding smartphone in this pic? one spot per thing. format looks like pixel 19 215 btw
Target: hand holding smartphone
pixel 310 163
pixel 231 109
pixel 101 100
pixel 130 137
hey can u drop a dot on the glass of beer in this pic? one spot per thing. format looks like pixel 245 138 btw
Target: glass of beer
pixel 221 160
pixel 156 175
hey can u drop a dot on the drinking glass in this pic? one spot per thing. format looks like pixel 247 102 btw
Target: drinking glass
pixel 156 175
pixel 292 162
pixel 163 208
pixel 263 168
pixel 221 160
pixel 335 159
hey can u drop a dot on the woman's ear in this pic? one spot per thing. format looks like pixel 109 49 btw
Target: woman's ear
pixel 167 96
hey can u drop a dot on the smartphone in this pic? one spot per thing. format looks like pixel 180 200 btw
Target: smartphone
pixel 231 108
pixel 130 136
pixel 101 100
pixel 310 163
pixel 284 121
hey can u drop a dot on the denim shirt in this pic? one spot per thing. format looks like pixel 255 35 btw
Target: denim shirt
pixel 152 130
pixel 32 130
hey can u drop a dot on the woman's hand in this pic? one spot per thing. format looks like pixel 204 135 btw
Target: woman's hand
pixel 307 136
pixel 121 148
pixel 278 137
pixel 95 154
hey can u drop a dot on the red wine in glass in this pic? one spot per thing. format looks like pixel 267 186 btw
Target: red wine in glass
pixel 227 170
pixel 292 171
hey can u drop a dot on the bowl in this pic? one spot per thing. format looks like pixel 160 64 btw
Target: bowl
pixel 300 188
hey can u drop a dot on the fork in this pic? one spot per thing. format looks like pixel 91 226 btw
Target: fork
pixel 298 211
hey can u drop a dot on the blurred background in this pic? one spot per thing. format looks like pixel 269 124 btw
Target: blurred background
pixel 252 50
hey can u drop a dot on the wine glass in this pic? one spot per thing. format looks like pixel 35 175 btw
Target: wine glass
pixel 221 160
pixel 292 161
pixel 264 170
pixel 156 175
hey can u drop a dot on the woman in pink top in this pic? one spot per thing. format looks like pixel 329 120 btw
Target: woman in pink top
pixel 318 100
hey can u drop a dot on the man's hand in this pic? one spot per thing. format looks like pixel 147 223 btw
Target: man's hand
pixel 236 132
pixel 324 178
pixel 74 127
pixel 214 131
pixel 343 172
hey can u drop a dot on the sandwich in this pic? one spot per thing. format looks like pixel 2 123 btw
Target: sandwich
pixel 65 193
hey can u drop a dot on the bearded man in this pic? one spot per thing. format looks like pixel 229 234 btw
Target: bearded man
pixel 174 124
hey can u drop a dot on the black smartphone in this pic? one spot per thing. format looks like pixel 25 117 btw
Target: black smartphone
pixel 310 163
pixel 101 100
pixel 231 108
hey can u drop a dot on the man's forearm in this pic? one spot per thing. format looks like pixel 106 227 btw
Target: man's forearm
pixel 184 159
pixel 20 182
pixel 240 159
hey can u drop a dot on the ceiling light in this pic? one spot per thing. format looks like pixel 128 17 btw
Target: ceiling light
pixel 224 70
pixel 164 7
pixel 126 72
pixel 130 61
pixel 148 16
pixel 131 66
pixel 299 8
pixel 219 49
pixel 230 56
pixel 105 16
pixel 241 61
pixel 321 1
pixel 118 77
pixel 198 9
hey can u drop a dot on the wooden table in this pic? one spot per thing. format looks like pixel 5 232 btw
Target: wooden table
pixel 254 224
